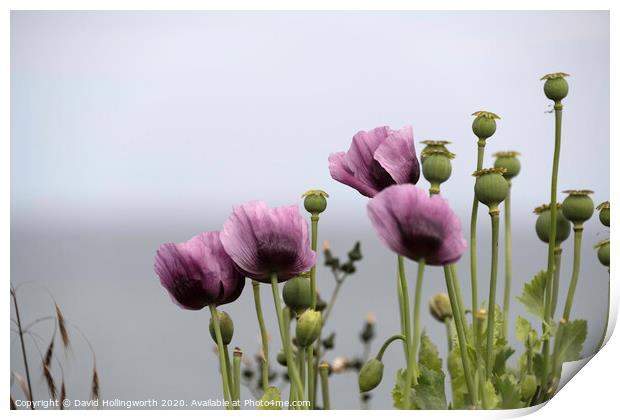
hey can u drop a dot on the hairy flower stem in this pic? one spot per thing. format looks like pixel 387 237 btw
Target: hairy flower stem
pixel 314 219
pixel 492 290
pixel 401 310
pixel 387 343
pixel 416 316
pixel 263 334
pixel 293 373
pixel 578 229
pixel 324 371
pixel 508 268
pixel 448 324
pixel 459 297
pixel 23 347
pixel 550 254
pixel 220 351
pixel 460 332
pixel 472 258
pixel 231 383
pixel 556 280
pixel 409 374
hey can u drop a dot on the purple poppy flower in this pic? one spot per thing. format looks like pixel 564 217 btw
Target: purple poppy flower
pixel 262 241
pixel 198 273
pixel 377 159
pixel 417 226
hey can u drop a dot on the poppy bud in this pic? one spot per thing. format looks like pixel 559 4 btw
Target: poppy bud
pixel 315 201
pixel 437 167
pixel 578 207
pixel 603 214
pixel 508 161
pixel 355 254
pixel 308 327
pixel 440 307
pixel 348 267
pixel 297 294
pixel 281 358
pixel 368 332
pixel 556 86
pixel 484 125
pixel 491 187
pixel 603 252
pixel 371 374
pixel 227 328
pixel 328 343
pixel 431 146
pixel 543 224
pixel 320 303
pixel 528 387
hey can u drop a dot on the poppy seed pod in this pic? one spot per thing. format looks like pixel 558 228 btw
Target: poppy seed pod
pixel 227 328
pixel 556 86
pixel 371 375
pixel 432 145
pixel 436 166
pixel 604 213
pixel 315 201
pixel 440 307
pixel 528 387
pixel 508 161
pixel 543 224
pixel 484 125
pixel 308 327
pixel 578 207
pixel 603 252
pixel 491 187
pixel 297 294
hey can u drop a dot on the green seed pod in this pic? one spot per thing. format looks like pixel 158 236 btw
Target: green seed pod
pixel 431 146
pixel 528 387
pixel 578 207
pixel 227 328
pixel 508 161
pixel 543 224
pixel 315 201
pixel 440 307
pixel 308 327
pixel 437 167
pixel 603 252
pixel 604 213
pixel 491 187
pixel 297 294
pixel 484 125
pixel 355 254
pixel 556 86
pixel 371 375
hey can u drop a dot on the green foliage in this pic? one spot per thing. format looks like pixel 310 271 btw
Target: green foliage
pixel 571 340
pixel 533 296
pixel 429 393
pixel 509 392
pixel 271 399
pixel 490 395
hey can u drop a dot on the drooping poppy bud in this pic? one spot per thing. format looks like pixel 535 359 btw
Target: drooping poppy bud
pixel 227 327
pixel 578 207
pixel 440 307
pixel 556 86
pixel 308 327
pixel 371 375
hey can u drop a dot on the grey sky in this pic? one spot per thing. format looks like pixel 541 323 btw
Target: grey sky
pixel 131 129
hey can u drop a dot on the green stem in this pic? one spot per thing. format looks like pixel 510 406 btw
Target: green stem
pixel 409 375
pixel 324 370
pixel 286 345
pixel 401 312
pixel 602 339
pixel 550 254
pixel 416 316
pixel 448 323
pixel 387 343
pixel 332 301
pixel 480 379
pixel 237 373
pixel 492 290
pixel 302 367
pixel 508 275
pixel 231 383
pixel 220 351
pixel 314 219
pixel 263 334
pixel 460 332
pixel 556 280
pixel 473 255
pixel 459 297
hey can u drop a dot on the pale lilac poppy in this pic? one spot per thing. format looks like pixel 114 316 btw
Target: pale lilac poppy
pixel 198 273
pixel 264 241
pixel 376 160
pixel 417 226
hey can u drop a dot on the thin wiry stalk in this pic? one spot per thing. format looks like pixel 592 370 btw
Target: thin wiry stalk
pixel 23 346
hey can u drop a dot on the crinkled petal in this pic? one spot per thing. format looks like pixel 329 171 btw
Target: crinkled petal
pixel 397 156
pixel 340 171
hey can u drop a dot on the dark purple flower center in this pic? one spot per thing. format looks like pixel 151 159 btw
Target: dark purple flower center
pixel 423 245
pixel 380 177
pixel 277 252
